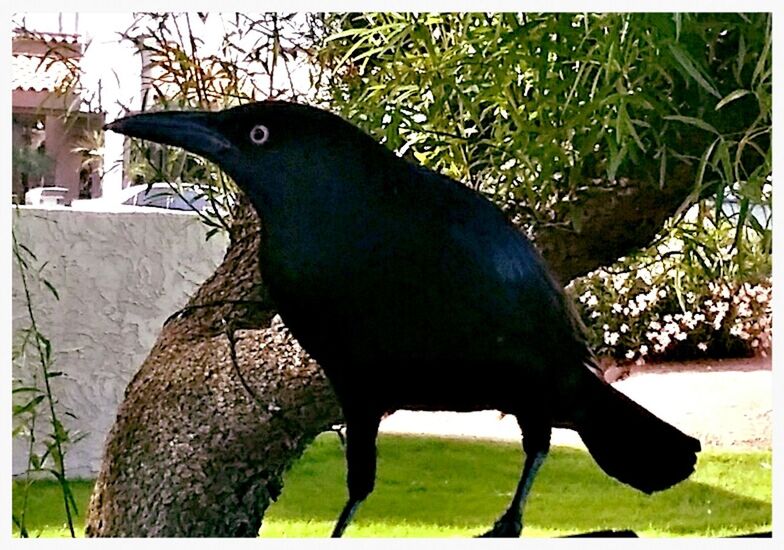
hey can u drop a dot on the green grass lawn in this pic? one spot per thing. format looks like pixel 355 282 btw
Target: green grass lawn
pixel 432 487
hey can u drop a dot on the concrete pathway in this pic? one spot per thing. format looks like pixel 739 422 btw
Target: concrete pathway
pixel 726 404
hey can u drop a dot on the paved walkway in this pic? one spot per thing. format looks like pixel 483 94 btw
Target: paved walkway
pixel 725 404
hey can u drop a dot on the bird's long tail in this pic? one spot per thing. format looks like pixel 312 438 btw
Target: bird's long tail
pixel 631 444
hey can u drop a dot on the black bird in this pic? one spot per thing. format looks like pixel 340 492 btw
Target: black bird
pixel 413 291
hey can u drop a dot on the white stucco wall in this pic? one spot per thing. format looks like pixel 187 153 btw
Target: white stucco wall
pixel 119 276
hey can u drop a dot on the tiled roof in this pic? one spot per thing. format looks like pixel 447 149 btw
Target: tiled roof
pixel 36 73
pixel 48 37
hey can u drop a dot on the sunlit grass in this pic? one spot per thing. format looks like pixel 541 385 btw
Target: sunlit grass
pixel 433 487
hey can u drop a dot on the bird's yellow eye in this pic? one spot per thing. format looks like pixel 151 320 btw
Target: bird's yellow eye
pixel 259 134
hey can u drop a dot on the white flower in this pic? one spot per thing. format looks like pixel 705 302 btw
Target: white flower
pixel 630 354
pixel 662 293
pixel 618 282
pixel 643 350
pixel 681 336
pixel 702 346
pixel 611 338
pixel 624 328
pixel 592 301
pixel 617 308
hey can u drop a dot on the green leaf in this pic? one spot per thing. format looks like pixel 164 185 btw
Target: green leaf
pixel 719 200
pixel 732 96
pixel 60 433
pixel 699 123
pixel 663 167
pixel 26 249
pixel 26 389
pixel 576 214
pixel 633 132
pixel 695 194
pixel 690 67
pixel 763 57
pixel 703 164
pixel 47 347
pixel 615 163
pixel 744 210
pixel 679 290
pixel 29 406
pixel 51 288
pixel 677 17
pixel 741 59
pixel 756 225
pixel 723 154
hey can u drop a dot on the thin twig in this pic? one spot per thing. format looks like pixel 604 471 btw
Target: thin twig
pixel 229 332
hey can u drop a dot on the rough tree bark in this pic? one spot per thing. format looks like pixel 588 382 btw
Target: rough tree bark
pixel 226 400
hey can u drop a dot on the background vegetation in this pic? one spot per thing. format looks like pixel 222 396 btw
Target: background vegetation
pixel 537 111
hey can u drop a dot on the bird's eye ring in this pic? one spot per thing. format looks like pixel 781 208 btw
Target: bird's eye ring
pixel 259 134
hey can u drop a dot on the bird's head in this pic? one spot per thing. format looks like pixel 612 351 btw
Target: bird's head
pixel 262 146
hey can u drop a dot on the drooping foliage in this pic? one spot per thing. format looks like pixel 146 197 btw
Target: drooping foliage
pixel 533 109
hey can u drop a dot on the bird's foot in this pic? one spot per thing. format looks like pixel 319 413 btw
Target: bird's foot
pixel 505 527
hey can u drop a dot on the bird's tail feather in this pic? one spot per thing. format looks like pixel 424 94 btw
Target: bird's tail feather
pixel 633 445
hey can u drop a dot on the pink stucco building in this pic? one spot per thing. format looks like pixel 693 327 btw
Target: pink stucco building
pixel 51 132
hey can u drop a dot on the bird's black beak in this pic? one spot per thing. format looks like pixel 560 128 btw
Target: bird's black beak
pixel 194 131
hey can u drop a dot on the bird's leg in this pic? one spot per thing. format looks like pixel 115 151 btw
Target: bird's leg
pixel 345 517
pixel 536 445
pixel 361 431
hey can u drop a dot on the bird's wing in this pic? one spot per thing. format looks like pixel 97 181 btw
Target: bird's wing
pixel 496 272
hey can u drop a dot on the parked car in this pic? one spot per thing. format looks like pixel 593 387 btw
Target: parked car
pixel 46 196
pixel 158 195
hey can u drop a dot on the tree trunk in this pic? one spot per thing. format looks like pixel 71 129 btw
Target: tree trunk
pixel 226 400
pixel 223 404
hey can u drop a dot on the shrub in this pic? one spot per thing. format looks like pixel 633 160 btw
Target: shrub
pixel 659 306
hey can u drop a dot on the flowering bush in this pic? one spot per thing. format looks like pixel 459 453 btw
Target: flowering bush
pixel 658 312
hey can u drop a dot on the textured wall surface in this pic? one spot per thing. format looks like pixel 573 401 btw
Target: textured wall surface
pixel 118 276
